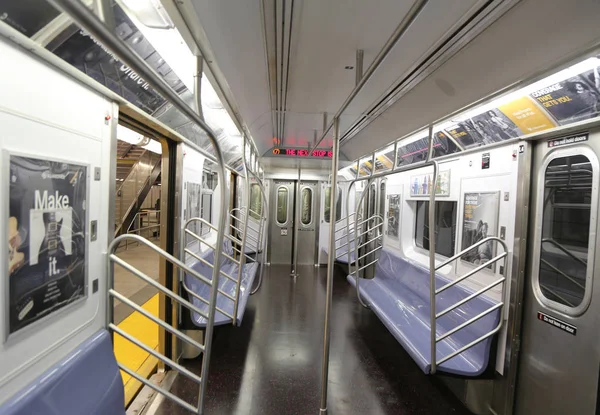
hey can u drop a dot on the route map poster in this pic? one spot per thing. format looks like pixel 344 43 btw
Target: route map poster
pixel 46 238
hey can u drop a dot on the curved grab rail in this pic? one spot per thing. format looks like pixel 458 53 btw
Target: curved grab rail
pixel 500 305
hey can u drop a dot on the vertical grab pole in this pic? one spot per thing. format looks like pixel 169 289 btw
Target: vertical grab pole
pixel 357 241
pixel 330 264
pixel 432 191
pixel 86 19
pixel 297 224
pixel 265 234
pixel 348 225
pixel 243 247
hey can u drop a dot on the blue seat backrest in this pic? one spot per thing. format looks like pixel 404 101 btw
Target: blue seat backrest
pixel 401 274
pixel 87 382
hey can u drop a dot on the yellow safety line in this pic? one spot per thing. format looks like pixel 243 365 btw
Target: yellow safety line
pixel 133 356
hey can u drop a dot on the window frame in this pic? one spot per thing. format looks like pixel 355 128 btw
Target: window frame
pixel 414 234
pixel 540 192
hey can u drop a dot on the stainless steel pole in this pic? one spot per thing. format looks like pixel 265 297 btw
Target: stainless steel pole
pixel 432 190
pixel 298 206
pixel 86 19
pixel 330 264
pixel 198 85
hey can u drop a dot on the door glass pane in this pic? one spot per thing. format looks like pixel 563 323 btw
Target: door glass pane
pixel 566 229
pixel 306 206
pixel 282 205
pixel 338 205
pixel 255 202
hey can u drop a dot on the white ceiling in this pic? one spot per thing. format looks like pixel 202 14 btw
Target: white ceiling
pixel 534 35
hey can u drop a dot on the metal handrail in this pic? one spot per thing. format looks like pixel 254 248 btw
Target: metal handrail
pixel 112 259
pixel 85 18
pixel 434 292
pixel 240 263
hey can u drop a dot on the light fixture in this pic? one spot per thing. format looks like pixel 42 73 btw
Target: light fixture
pixel 150 13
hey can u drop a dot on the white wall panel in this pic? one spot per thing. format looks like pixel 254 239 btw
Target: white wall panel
pixel 45 114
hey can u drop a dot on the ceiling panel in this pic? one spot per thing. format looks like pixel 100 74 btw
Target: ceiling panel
pixel 513 49
pixel 234 31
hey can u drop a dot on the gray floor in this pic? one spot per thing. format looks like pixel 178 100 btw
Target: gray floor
pixel 132 287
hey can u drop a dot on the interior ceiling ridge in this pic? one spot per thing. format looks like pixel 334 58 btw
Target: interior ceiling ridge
pixel 474 25
pixel 284 15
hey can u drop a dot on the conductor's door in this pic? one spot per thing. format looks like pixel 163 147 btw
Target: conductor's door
pixel 559 364
pixel 282 222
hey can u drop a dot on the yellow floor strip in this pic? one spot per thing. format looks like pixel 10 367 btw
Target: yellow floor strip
pixel 131 355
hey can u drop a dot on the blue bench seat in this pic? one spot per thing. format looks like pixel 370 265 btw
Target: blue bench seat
pixel 225 285
pixel 399 296
pixel 87 381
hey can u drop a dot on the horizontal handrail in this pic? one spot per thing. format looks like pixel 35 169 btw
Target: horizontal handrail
pixel 470 297
pixel 204 300
pixel 157 388
pixel 155 284
pixel 468 322
pixel 365 266
pixel 565 250
pixel 154 353
pixel 369 253
pixel 156 320
pixel 470 273
pixel 470 248
pixel 473 343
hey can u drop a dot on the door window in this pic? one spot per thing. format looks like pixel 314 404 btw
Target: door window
pixel 307 204
pixel 338 205
pixel 566 242
pixel 282 205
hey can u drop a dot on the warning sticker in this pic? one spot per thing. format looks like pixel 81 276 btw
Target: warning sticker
pixel 559 324
pixel 568 140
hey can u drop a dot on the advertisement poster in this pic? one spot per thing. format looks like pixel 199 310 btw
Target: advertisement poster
pixel 527 115
pixel 420 185
pixel 417 150
pixel 465 133
pixel 493 126
pixel 572 100
pixel 480 220
pixel 393 216
pixel 46 238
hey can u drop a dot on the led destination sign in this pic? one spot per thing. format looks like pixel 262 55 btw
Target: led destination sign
pixel 301 152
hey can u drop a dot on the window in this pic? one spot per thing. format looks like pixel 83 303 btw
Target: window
pixel 445 227
pixel 282 205
pixel 255 201
pixel 338 204
pixel 306 216
pixel 565 234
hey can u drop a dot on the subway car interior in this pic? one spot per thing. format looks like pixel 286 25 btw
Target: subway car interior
pixel 299 207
